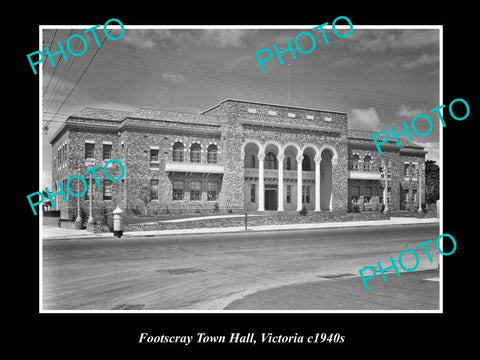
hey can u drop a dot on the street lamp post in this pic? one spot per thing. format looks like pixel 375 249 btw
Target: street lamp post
pixel 385 189
pixel 90 163
pixel 420 167
pixel 78 220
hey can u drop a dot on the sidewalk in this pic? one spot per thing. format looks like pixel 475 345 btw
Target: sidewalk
pixel 55 233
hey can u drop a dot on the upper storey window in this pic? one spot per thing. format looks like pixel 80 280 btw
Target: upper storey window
pixel 177 154
pixel 195 153
pixel 212 154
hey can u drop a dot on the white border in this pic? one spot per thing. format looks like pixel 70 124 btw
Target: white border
pixel 262 27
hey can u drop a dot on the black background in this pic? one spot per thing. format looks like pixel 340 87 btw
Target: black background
pixel 92 335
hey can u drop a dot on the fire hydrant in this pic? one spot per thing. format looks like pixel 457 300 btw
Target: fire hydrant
pixel 117 222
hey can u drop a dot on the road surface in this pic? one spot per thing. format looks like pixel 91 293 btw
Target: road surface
pixel 209 272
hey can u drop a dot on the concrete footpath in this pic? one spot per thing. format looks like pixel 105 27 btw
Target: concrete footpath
pixel 56 233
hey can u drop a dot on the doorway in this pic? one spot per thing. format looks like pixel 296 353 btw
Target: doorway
pixel 271 199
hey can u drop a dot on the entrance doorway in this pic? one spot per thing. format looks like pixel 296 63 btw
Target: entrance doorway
pixel 271 199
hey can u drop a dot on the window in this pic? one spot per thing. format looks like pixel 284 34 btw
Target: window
pixel 252 161
pixel 289 163
pixel 406 168
pixel 389 195
pixel 414 195
pixel 177 152
pixel 367 163
pixel 367 194
pixel 87 193
pixel 107 151
pixel 270 161
pixel 355 194
pixel 178 189
pixel 107 189
pixel 212 191
pixel 252 193
pixel 154 183
pixel 306 164
pixel 413 170
pixel 154 158
pixel 195 153
pixel 306 194
pixel 65 151
pixel 212 154
pixel 196 191
pixel 89 150
pixel 289 194
pixel 354 162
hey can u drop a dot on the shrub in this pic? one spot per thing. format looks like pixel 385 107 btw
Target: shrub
pixel 229 211
pixel 216 208
pixel 304 211
pixel 381 207
pixel 355 208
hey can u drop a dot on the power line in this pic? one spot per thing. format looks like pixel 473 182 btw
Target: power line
pixel 76 84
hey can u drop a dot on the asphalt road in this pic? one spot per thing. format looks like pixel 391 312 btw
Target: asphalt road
pixel 209 272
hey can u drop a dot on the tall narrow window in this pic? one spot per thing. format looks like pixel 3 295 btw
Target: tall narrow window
pixel 252 161
pixel 367 163
pixel 289 194
pixel 306 194
pixel 252 193
pixel 354 162
pixel 65 152
pixel 414 195
pixel 355 194
pixel 270 161
pixel 154 163
pixel 406 168
pixel 212 154
pixel 107 151
pixel 289 163
pixel 195 153
pixel 178 189
pixel 177 152
pixel 212 191
pixel 89 150
pixel 107 189
pixel 154 183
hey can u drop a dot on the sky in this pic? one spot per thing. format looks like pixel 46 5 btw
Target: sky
pixel 379 77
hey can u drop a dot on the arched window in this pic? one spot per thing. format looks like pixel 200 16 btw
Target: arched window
pixel 270 161
pixel 306 164
pixel 367 163
pixel 354 162
pixel 212 154
pixel 252 161
pixel 289 163
pixel 177 154
pixel 195 153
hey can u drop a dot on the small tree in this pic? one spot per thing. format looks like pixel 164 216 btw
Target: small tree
pixel 146 194
pixel 304 211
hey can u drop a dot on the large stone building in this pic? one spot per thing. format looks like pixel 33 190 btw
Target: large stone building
pixel 234 155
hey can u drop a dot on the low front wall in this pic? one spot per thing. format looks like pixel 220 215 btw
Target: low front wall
pixel 339 216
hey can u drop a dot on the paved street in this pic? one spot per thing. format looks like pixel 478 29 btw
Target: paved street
pixel 210 271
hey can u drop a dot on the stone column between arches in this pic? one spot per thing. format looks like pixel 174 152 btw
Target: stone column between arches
pixel 280 159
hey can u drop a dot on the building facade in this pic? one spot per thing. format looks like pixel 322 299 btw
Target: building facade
pixel 237 155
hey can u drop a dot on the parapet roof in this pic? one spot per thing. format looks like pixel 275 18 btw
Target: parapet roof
pixel 367 135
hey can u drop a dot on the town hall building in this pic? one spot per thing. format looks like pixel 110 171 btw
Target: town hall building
pixel 234 156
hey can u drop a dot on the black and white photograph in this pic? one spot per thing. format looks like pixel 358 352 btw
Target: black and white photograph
pixel 255 185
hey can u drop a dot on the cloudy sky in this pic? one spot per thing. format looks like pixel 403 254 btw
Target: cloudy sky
pixel 380 77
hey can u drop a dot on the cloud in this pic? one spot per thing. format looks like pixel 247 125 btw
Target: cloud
pixel 223 38
pixel 347 61
pixel 423 60
pixel 364 119
pixel 141 38
pixel 409 112
pixel 381 40
pixel 176 78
